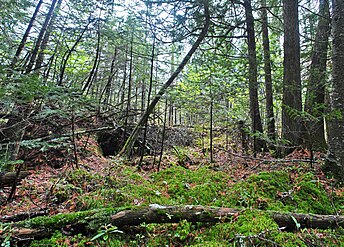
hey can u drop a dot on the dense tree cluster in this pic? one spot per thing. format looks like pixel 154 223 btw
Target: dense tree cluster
pixel 264 65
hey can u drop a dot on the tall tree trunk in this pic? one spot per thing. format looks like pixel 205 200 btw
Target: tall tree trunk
pixel 107 88
pixel 67 55
pixel 335 160
pixel 291 102
pixel 133 136
pixel 148 102
pixel 211 134
pixel 40 37
pixel 258 144
pixel 93 72
pixel 315 98
pixel 127 112
pixel 268 75
pixel 26 35
pixel 46 37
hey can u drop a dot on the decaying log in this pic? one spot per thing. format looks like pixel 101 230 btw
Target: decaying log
pixel 173 214
pixel 308 220
pixel 23 216
pixel 8 178
pixel 169 214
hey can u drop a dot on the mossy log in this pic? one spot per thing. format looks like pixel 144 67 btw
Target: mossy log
pixel 8 178
pixel 174 214
pixel 90 221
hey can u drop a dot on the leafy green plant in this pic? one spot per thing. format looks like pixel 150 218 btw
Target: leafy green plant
pixel 105 231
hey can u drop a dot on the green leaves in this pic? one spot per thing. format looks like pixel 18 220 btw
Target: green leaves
pixel 105 232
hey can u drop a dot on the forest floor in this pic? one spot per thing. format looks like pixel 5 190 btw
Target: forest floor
pixel 184 177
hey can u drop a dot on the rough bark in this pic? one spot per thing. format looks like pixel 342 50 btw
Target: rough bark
pixel 131 140
pixel 335 160
pixel 291 102
pixel 315 97
pixel 268 74
pixel 257 127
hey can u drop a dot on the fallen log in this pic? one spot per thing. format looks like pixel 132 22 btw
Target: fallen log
pixel 22 216
pixel 8 178
pixel 79 221
pixel 174 214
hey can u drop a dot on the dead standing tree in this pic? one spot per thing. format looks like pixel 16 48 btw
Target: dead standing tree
pixel 126 150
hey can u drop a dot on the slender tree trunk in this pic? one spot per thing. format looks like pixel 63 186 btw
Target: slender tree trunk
pixel 93 72
pixel 132 138
pixel 40 37
pixel 163 136
pixel 335 159
pixel 268 75
pixel 46 37
pixel 211 128
pixel 292 129
pixel 107 88
pixel 26 35
pixel 127 118
pixel 67 55
pixel 258 143
pixel 122 88
pixel 315 98
pixel 149 95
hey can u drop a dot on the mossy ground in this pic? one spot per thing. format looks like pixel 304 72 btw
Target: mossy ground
pixel 91 197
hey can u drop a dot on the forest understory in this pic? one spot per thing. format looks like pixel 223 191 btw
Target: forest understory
pixel 171 123
pixel 72 193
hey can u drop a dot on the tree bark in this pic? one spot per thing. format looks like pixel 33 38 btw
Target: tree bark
pixel 40 36
pixel 315 97
pixel 257 127
pixel 268 75
pixel 132 138
pixel 46 37
pixel 291 102
pixel 335 159
pixel 26 35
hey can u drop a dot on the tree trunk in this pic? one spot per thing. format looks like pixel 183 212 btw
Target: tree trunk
pixel 40 37
pixel 46 37
pixel 148 98
pixel 26 35
pixel 93 73
pixel 68 53
pixel 258 144
pixel 291 102
pixel 335 159
pixel 132 138
pixel 268 76
pixel 315 97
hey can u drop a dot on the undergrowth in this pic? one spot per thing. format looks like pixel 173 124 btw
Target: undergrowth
pixel 124 186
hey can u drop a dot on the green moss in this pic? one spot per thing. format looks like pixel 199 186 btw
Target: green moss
pixel 60 240
pixel 91 219
pixel 276 191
